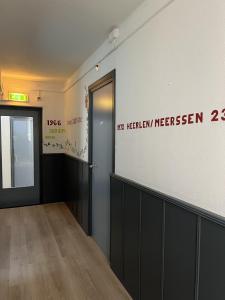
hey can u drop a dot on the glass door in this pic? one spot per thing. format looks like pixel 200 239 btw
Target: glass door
pixel 20 157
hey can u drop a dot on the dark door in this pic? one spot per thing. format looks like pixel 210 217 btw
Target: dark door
pixel 102 165
pixel 19 156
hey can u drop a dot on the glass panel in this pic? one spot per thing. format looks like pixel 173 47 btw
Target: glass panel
pixel 17 152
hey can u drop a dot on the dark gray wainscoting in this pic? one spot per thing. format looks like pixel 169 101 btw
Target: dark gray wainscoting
pixel 76 190
pixel 52 178
pixel 65 178
pixel 163 248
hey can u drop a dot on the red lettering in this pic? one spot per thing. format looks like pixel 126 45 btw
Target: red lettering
pixel 147 124
pixel 214 115
pixel 223 117
pixel 167 121
pixel 157 123
pixel 162 122
pixel 178 120
pixel 199 117
pixel 190 118
pixel 172 119
pixel 184 119
pixel 120 127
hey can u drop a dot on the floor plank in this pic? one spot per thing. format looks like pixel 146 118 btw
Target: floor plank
pixel 44 254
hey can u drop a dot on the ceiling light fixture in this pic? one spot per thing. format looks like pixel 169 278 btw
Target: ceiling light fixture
pixel 97 67
pixel 39 96
pixel 114 35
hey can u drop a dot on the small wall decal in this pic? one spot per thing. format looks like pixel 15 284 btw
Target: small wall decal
pixel 54 145
pixel 74 147
pixel 75 121
pixel 54 122
pixel 54 136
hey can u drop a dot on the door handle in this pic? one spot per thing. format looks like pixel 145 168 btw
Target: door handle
pixel 92 166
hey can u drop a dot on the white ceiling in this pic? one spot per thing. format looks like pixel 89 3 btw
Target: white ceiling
pixel 51 38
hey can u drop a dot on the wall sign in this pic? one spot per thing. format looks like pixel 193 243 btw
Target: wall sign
pixel 54 135
pixel 18 97
pixel 180 120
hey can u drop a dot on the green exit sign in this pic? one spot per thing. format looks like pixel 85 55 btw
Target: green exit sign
pixel 19 97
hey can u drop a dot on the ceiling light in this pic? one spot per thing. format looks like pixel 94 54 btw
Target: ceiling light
pixel 114 35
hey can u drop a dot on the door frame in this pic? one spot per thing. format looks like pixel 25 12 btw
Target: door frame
pixel 100 83
pixel 39 110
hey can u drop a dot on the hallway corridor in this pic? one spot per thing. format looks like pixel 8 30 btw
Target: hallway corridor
pixel 45 255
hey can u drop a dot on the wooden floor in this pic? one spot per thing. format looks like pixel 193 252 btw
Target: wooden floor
pixel 45 255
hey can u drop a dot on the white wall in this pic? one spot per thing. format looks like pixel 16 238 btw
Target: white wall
pixel 52 102
pixel 6 153
pixel 171 66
